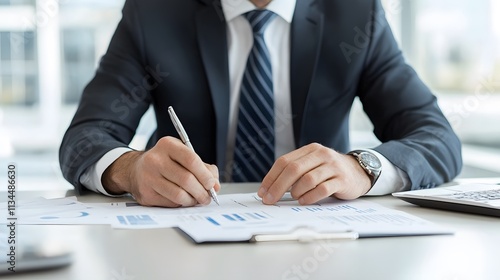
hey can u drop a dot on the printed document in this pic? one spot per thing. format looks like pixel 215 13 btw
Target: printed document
pixel 238 218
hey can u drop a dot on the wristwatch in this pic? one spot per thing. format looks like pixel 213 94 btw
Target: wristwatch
pixel 369 162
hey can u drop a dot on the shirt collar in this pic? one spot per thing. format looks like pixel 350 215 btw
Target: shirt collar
pixel 235 8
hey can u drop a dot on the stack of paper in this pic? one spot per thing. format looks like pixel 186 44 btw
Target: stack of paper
pixel 240 217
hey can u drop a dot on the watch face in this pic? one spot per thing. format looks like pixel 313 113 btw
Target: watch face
pixel 370 160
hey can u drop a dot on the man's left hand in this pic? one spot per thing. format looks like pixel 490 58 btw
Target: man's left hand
pixel 312 173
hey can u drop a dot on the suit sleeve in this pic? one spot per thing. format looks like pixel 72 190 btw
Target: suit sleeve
pixel 415 135
pixel 112 104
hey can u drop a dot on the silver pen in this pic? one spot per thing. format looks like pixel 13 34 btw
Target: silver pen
pixel 185 139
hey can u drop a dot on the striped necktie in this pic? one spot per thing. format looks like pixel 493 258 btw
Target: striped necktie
pixel 254 146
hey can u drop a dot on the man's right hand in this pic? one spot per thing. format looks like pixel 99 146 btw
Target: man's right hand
pixel 168 175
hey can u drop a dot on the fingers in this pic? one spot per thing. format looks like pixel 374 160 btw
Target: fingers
pixel 312 180
pixel 268 183
pixel 181 186
pixel 215 172
pixel 312 173
pixel 155 199
pixel 158 191
pixel 191 162
pixel 148 196
pixel 172 175
pixel 319 192
pixel 287 171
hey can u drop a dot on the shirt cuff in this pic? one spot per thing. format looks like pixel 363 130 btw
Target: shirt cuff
pixel 391 179
pixel 91 178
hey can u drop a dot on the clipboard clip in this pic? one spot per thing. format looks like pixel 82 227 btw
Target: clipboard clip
pixel 305 235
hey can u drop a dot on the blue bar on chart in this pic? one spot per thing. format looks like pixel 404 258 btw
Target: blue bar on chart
pixel 314 209
pixel 233 218
pixel 228 217
pixel 253 216
pixel 259 215
pixel 212 221
pixel 240 218
pixel 136 220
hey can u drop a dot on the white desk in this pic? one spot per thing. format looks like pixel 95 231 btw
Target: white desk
pixel 101 252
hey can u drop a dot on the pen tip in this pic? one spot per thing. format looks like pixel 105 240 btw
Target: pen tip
pixel 213 194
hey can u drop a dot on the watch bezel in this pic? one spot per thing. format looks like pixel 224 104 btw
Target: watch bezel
pixel 373 171
pixel 368 159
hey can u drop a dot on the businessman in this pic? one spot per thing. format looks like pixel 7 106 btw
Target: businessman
pixel 264 90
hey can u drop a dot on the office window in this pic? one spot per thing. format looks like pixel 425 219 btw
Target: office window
pixel 455 47
pixel 49 51
pixel 18 68
pixel 16 2
pixel 79 64
pixel 457 43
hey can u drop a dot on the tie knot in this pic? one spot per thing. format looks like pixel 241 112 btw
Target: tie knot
pixel 259 19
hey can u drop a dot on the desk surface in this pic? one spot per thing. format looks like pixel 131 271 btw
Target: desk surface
pixel 101 252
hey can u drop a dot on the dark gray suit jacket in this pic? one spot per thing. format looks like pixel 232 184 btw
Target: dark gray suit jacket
pixel 172 52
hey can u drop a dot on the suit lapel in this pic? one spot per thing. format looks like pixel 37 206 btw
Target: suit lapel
pixel 306 32
pixel 212 40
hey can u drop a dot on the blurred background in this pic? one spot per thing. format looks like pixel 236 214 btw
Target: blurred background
pixel 49 50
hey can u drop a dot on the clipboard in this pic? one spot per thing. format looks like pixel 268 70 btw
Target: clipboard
pixel 305 235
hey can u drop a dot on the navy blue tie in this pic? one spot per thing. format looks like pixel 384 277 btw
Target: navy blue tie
pixel 254 146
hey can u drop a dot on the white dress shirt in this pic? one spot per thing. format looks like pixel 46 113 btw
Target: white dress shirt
pixel 240 42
